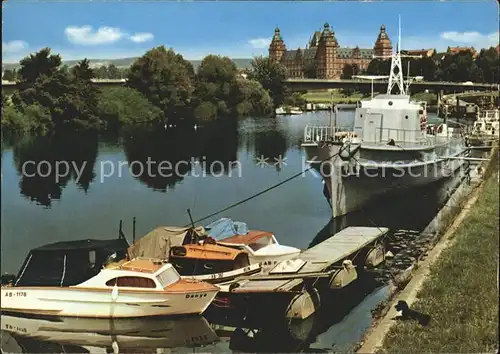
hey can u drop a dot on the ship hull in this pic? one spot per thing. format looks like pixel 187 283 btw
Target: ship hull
pixel 354 182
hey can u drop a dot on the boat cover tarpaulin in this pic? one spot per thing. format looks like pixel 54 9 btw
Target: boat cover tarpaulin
pixel 225 227
pixel 68 263
pixel 157 243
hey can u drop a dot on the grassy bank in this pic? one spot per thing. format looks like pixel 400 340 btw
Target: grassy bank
pixel 461 293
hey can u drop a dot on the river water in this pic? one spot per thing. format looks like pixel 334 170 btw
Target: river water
pixel 206 170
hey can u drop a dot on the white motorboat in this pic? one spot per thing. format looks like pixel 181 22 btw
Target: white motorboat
pixel 295 110
pixel 50 283
pixel 280 111
pixel 389 149
pixel 261 246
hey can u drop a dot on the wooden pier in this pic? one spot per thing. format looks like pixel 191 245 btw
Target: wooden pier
pixel 327 265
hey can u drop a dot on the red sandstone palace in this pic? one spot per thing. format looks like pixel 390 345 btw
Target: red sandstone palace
pixel 323 57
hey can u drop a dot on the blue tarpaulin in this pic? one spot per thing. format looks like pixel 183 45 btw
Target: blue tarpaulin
pixel 226 227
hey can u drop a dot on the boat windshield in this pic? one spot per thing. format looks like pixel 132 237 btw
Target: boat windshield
pixel 168 277
pixel 261 242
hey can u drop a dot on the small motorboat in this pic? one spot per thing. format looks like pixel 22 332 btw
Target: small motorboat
pixel 90 278
pixel 261 246
pixel 295 110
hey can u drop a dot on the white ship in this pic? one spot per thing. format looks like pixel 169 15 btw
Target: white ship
pixel 389 149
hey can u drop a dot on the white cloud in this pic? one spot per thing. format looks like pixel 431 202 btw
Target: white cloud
pixel 86 35
pixel 14 46
pixel 260 43
pixel 141 37
pixel 471 38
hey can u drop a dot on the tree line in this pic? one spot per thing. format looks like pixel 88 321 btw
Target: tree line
pixel 459 67
pixel 162 89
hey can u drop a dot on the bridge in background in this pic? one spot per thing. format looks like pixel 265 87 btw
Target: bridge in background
pixel 381 86
pixel 319 84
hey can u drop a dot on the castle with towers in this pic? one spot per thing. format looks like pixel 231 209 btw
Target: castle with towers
pixel 323 58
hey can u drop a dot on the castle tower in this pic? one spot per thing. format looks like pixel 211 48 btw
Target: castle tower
pixel 277 47
pixel 326 53
pixel 383 46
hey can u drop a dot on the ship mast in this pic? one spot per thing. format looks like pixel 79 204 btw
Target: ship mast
pixel 396 74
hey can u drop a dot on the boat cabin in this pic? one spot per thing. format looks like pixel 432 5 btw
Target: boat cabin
pixel 137 273
pixel 69 263
pixel 386 117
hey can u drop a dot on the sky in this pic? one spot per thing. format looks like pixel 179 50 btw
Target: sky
pixel 96 29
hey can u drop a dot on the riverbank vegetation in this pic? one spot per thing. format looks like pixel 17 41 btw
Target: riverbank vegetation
pixel 461 294
pixel 162 89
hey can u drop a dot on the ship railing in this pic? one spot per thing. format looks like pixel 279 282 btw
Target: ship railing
pixel 401 136
pixel 325 133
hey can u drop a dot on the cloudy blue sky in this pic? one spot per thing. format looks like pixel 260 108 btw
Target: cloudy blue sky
pixel 107 30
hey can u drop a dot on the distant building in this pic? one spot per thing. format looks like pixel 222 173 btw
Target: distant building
pixel 456 50
pixel 425 53
pixel 323 58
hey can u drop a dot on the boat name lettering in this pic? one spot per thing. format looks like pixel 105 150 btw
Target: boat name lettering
pixel 15 293
pixel 216 275
pixel 15 328
pixel 191 296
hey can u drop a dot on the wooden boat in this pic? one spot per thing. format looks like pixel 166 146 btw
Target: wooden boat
pixel 58 280
pixel 194 254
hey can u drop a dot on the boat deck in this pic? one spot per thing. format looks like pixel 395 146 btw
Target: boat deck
pixel 316 262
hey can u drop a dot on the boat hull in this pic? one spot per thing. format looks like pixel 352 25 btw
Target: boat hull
pixel 354 182
pixel 103 303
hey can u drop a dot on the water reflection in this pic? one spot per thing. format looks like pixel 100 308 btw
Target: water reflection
pixel 280 335
pixel 174 154
pixel 219 147
pixel 85 335
pixel 46 165
pixel 160 159
pixel 394 211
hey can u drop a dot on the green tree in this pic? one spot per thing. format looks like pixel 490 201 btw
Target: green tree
pixel 310 70
pixel 9 75
pixel 461 67
pixel 272 76
pixel 378 67
pixel 347 72
pixel 71 98
pixel 488 62
pixel 215 83
pixel 125 106
pixel 166 79
pixel 252 99
pixel 114 72
pixel 102 72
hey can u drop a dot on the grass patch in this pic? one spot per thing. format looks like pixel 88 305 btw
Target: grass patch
pixel 326 97
pixel 461 293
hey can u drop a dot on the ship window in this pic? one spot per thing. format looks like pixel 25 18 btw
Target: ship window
pixel 360 116
pixel 132 282
pixel 390 103
pixel 406 117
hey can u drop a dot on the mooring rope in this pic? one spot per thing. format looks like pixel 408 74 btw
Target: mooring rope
pixel 265 190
